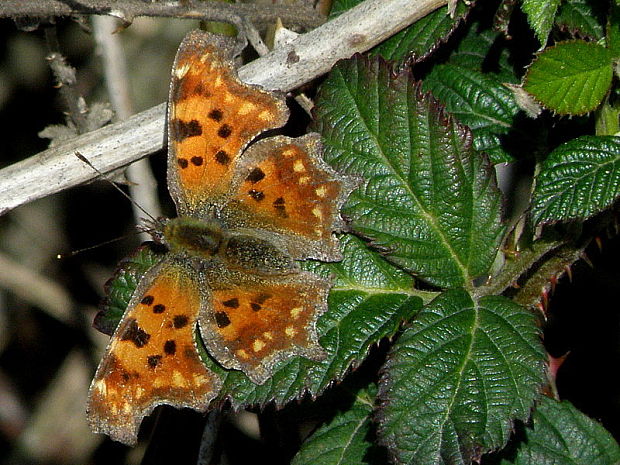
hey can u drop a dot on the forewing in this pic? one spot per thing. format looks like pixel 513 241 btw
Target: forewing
pixel 212 116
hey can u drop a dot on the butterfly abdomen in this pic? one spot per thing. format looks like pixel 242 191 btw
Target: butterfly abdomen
pixel 256 255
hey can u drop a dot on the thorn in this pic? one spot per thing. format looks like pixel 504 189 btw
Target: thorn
pixel 544 299
pixel 599 243
pixel 569 272
pixel 125 20
pixel 553 281
pixel 586 259
pixel 555 363
pixel 516 285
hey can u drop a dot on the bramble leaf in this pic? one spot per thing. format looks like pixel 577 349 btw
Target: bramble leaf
pixel 562 434
pixel 478 52
pixel 540 16
pixel 344 440
pixel 457 378
pixel 570 78
pixel 120 286
pixel 578 179
pixel 418 40
pixel 583 18
pixel 480 101
pixel 428 200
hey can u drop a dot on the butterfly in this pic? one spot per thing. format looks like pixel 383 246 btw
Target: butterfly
pixel 247 211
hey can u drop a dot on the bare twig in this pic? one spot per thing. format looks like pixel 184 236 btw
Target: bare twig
pixel 144 188
pixel 66 81
pixel 126 10
pixel 307 57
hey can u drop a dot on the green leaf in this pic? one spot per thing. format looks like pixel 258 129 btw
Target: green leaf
pixel 429 201
pixel 562 434
pixel 120 287
pixel 472 86
pixel 478 52
pixel 457 379
pixel 613 32
pixel 368 302
pixel 540 15
pixel 607 120
pixel 340 6
pixel 571 78
pixel 479 101
pixel 582 18
pixel 578 179
pixel 417 40
pixel 421 38
pixel 344 440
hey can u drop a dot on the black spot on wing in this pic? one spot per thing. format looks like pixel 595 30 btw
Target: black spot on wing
pixel 255 175
pixel 224 131
pixel 153 360
pixel 222 320
pixel 279 205
pixel 135 334
pixel 256 195
pixel 216 114
pixel 170 347
pixel 181 130
pixel 231 303
pixel 222 157
pixel 180 321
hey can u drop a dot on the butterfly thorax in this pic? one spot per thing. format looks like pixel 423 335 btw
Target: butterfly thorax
pixel 202 238
pixel 210 239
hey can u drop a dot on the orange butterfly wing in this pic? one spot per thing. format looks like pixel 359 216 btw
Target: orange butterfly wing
pixel 212 116
pixel 284 186
pixel 254 322
pixel 152 358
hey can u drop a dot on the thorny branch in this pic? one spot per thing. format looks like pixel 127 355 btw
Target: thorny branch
pixel 297 14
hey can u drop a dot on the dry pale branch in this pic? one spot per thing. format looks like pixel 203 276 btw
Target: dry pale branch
pixel 307 57
pixel 143 187
pixel 126 10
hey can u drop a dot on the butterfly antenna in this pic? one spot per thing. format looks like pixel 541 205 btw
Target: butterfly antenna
pixel 85 160
pixel 73 253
